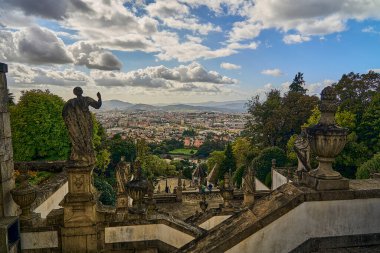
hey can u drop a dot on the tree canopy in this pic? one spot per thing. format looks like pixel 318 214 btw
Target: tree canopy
pixel 298 84
pixel 273 121
pixel 38 130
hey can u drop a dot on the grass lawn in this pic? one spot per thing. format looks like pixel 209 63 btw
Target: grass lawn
pixel 183 151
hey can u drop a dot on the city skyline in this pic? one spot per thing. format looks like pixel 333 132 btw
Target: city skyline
pixel 185 51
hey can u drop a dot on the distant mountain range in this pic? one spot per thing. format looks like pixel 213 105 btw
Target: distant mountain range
pixel 228 106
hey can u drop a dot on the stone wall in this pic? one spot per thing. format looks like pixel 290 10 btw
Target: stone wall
pixel 312 220
pixel 50 194
pixel 7 206
pixel 293 214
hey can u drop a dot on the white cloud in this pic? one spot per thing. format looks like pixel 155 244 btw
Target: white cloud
pixel 295 38
pixel 94 57
pixel 226 65
pixel 272 72
pixel 33 45
pixel 314 17
pixel 375 70
pixel 184 78
pixel 316 88
pixel 25 76
pixel 189 50
pixel 370 29
pixel 176 15
pixel 161 77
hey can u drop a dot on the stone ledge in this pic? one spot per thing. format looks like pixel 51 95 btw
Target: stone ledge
pixel 324 184
pixel 47 188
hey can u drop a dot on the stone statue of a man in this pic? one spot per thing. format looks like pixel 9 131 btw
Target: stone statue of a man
pixel 78 120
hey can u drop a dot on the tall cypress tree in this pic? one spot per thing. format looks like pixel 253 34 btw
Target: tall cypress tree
pixel 228 163
pixel 298 84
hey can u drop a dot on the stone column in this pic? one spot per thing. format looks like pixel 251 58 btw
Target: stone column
pixel 7 183
pixel 179 187
pixel 79 233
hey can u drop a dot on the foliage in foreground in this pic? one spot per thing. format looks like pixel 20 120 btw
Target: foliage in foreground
pixel 369 167
pixel 38 130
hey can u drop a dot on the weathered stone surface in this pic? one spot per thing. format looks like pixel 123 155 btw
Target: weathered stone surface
pixel 3 98
pixel 79 240
pixel 39 240
pixel 6 170
pixel 6 150
pixel 325 184
pixel 78 120
pixel 5 129
pixel 9 208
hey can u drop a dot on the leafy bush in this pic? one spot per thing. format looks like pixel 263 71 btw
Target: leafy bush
pixel 263 162
pixel 108 195
pixel 369 167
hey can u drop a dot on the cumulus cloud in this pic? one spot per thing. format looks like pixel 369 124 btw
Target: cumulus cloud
pixel 33 45
pixel 188 50
pixel 227 65
pixel 162 77
pixel 176 15
pixel 272 72
pixel 370 29
pixel 192 77
pixel 50 9
pixel 94 57
pixel 295 38
pixel 316 17
pixel 20 74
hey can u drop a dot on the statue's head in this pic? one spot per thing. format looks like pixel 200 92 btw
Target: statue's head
pixel 78 91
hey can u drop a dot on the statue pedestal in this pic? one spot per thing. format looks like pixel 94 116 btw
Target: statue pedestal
pixel 79 212
pixel 122 203
pixel 249 198
pixel 79 203
pixel 324 184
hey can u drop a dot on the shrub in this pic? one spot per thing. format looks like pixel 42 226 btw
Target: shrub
pixel 263 162
pixel 369 167
pixel 108 195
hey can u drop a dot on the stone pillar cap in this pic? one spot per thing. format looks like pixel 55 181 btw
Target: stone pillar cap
pixel 3 68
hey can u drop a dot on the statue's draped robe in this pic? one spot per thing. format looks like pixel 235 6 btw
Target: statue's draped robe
pixel 78 121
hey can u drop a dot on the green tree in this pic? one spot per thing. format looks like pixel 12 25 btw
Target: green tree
pixel 107 193
pixel 369 167
pixel 296 108
pixel 263 162
pixel 119 147
pixel 298 84
pixel 228 163
pixel 209 146
pixel 189 133
pixel 265 122
pixel 273 121
pixel 243 151
pixel 356 90
pixel 215 158
pixel 369 128
pixel 38 130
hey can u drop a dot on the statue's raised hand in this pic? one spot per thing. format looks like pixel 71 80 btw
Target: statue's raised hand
pixel 98 95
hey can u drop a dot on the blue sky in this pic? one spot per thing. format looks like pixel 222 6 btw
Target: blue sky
pixel 183 51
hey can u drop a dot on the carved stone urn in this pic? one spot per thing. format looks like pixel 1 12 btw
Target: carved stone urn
pixel 24 196
pixel 136 189
pixel 326 138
